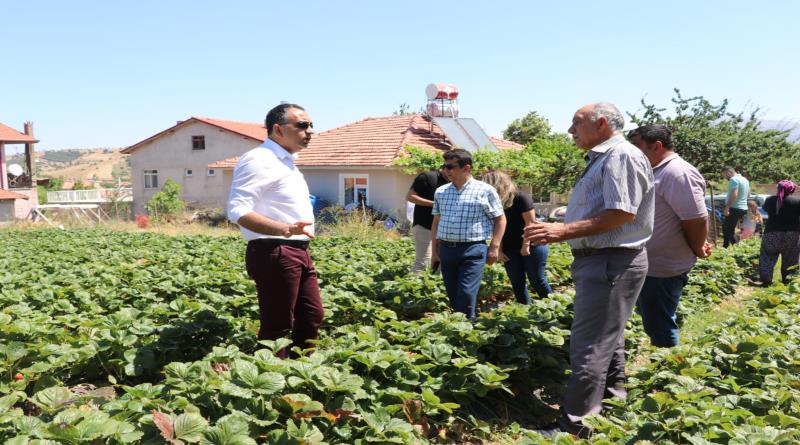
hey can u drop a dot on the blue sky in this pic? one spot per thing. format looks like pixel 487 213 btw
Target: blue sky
pixel 108 74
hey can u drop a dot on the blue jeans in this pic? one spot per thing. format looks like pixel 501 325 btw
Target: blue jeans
pixel 462 270
pixel 657 304
pixel 518 266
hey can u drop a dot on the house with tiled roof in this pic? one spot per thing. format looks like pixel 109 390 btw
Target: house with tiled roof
pixel 18 196
pixel 183 153
pixel 342 165
pixel 353 162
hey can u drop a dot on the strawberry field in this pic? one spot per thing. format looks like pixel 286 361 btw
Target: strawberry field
pixel 115 337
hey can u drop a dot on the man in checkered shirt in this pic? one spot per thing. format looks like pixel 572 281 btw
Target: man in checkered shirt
pixel 466 213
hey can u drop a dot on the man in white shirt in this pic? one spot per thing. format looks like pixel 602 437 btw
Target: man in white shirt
pixel 269 200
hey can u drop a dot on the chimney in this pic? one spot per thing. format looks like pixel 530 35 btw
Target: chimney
pixel 29 128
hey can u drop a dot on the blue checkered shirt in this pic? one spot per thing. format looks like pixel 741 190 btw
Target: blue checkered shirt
pixel 468 214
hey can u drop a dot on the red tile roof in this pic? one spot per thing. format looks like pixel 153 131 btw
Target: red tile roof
pixel 5 195
pixel 371 142
pixel 8 134
pixel 503 144
pixel 252 130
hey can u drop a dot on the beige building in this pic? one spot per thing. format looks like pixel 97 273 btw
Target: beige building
pixel 183 153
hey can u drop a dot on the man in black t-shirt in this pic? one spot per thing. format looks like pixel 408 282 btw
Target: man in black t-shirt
pixel 421 195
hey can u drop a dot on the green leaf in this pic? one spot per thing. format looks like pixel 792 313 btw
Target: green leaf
pixel 189 427
pixel 52 398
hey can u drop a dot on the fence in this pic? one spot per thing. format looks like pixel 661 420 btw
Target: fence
pixel 90 196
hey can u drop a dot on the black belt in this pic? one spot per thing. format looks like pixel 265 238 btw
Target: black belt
pixel 578 253
pixel 459 243
pixel 300 244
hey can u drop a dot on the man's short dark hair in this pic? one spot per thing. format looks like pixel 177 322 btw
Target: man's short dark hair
pixel 653 132
pixel 463 157
pixel 728 168
pixel 277 115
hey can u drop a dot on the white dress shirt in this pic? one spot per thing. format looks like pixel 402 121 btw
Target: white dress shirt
pixel 267 182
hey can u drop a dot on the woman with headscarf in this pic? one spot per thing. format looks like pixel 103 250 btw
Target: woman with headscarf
pixel 781 234
pixel 519 258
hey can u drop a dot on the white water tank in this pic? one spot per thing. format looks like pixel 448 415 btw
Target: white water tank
pixel 441 91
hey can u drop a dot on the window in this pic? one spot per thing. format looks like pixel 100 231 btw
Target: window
pixel 188 172
pixel 353 189
pixel 212 172
pixel 151 179
pixel 198 142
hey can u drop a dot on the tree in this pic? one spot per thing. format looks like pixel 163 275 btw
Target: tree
pixel 527 129
pixel 166 203
pixel 402 110
pixel 548 164
pixel 710 137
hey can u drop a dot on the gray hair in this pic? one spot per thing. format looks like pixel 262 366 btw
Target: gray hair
pixel 611 113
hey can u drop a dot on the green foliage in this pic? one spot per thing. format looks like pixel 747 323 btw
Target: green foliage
pixel 79 185
pixel 56 183
pixel 121 170
pixel 167 202
pixel 170 323
pixel 527 129
pixel 402 110
pixel 41 193
pixel 550 163
pixel 710 137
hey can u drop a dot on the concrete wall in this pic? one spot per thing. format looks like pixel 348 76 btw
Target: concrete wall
pixel 23 207
pixel 387 187
pixel 172 154
pixel 6 210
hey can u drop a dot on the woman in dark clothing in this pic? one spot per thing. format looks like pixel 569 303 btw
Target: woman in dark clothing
pixel 781 234
pixel 520 259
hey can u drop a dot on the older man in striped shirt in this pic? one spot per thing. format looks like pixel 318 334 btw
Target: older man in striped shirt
pixel 609 219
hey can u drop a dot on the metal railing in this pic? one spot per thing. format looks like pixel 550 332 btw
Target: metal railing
pixel 90 195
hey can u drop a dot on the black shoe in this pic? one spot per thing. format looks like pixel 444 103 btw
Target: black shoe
pixel 550 430
pixel 562 426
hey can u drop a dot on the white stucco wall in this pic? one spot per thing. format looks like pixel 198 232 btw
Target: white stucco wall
pixel 172 154
pixel 387 187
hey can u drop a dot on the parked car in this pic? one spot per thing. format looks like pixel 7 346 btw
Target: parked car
pixel 719 204
pixel 557 214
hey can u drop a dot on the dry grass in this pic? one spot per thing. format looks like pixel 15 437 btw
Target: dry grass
pixel 357 224
pixel 179 228
pixel 92 163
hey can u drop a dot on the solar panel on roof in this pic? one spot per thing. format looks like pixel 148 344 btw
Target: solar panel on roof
pixel 465 133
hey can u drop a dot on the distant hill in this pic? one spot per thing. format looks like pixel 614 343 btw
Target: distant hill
pixel 794 134
pixel 104 164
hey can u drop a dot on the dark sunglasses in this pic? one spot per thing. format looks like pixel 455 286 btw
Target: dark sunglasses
pixel 450 166
pixel 302 125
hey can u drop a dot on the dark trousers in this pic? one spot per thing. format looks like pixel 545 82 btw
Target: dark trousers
pixel 785 244
pixel 729 226
pixel 288 292
pixel 606 287
pixel 658 304
pixel 462 270
pixel 532 266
